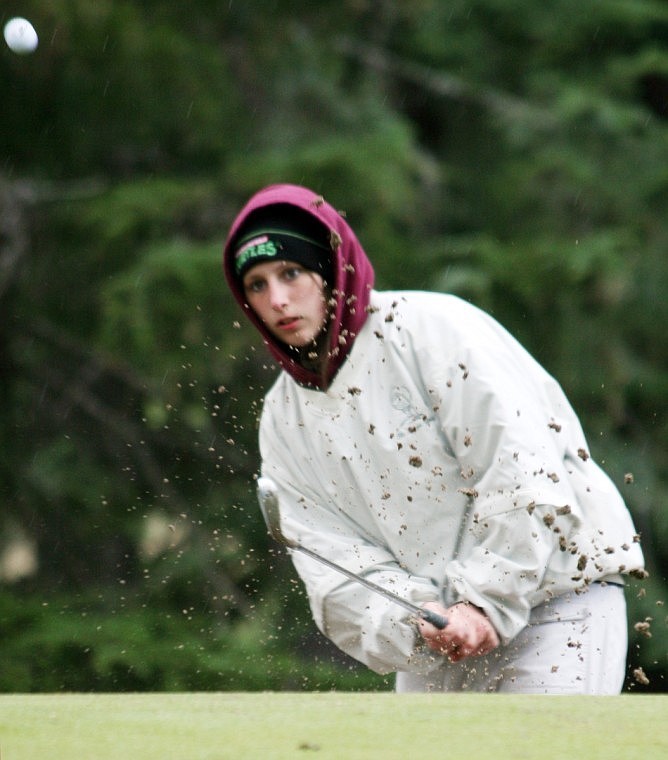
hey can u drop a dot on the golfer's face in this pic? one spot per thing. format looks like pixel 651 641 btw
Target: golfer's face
pixel 289 299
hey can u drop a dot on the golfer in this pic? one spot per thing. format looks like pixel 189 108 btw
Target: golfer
pixel 416 443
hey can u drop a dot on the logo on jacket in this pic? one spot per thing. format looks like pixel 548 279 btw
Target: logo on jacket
pixel 412 418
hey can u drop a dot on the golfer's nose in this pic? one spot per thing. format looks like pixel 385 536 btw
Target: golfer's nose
pixel 278 296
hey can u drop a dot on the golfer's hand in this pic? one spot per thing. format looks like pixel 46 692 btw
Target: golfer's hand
pixel 467 634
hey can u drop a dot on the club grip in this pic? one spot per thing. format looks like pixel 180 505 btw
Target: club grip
pixel 438 621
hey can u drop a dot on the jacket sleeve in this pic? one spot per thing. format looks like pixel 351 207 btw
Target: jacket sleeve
pixel 512 432
pixel 503 571
pixel 362 623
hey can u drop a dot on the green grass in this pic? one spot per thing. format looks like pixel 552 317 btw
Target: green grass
pixel 217 726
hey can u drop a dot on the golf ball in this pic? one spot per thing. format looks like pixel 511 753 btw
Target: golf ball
pixel 20 35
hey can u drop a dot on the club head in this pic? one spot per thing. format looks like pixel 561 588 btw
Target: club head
pixel 267 496
pixel 266 489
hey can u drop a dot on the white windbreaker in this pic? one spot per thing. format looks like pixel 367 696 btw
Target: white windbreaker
pixel 444 463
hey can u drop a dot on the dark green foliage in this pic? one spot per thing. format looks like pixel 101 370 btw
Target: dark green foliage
pixel 85 644
pixel 508 151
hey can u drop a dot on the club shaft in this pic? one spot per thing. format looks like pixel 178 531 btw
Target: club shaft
pixel 268 497
pixel 431 617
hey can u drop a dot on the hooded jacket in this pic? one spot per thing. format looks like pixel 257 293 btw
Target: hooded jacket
pixel 440 460
pixel 354 278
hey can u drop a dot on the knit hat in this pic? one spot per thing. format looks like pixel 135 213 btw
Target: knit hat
pixel 283 232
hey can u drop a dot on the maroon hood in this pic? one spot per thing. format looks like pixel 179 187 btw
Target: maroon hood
pixel 354 278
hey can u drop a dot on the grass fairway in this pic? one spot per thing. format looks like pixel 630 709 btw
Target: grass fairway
pixel 218 726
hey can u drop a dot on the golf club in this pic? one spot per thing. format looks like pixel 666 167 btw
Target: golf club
pixel 267 494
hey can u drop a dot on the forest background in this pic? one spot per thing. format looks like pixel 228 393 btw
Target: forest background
pixel 510 151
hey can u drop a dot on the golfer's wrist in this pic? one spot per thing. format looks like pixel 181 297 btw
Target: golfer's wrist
pixel 467 603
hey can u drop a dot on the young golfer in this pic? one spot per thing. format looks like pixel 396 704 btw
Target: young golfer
pixel 416 443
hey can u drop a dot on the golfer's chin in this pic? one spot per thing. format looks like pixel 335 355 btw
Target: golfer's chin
pixel 299 338
pixel 300 341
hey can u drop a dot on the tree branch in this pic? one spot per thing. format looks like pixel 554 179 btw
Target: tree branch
pixel 442 84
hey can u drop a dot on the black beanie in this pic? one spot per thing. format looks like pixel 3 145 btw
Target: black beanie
pixel 283 232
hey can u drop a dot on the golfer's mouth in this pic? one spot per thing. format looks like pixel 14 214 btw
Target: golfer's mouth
pixel 288 323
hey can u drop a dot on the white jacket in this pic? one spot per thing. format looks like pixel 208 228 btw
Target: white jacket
pixel 444 463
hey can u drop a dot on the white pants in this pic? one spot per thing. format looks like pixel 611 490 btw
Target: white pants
pixel 574 644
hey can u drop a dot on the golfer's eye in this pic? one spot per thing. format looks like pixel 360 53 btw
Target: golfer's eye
pixel 291 272
pixel 254 286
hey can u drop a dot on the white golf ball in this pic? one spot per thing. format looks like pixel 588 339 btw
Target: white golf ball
pixel 20 35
